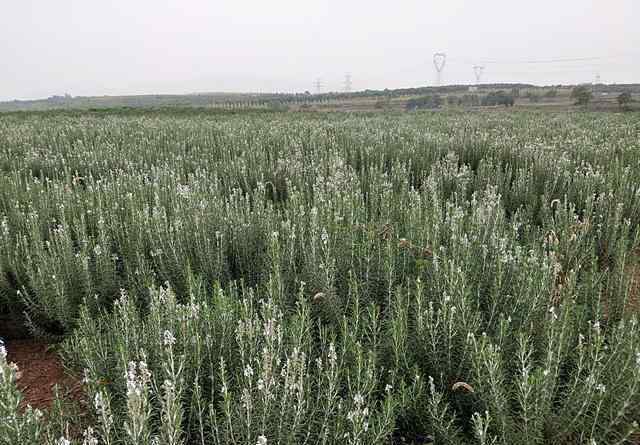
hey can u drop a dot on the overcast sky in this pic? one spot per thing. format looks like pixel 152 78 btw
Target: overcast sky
pixel 95 47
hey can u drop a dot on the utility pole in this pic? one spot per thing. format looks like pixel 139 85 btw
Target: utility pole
pixel 318 85
pixel 478 70
pixel 347 83
pixel 439 61
pixel 594 86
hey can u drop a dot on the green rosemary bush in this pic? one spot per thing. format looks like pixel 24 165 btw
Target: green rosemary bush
pixel 15 426
pixel 245 278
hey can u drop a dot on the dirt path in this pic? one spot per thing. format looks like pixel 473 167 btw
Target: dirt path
pixel 40 370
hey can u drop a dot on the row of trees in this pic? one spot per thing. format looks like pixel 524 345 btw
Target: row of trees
pixel 498 98
pixel 424 102
pixel 582 96
pixel 624 100
pixel 435 101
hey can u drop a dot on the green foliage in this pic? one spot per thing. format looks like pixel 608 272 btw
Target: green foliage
pixel 469 100
pixel 582 95
pixel 332 279
pixel 16 426
pixel 533 97
pixel 498 98
pixel 424 102
pixel 624 100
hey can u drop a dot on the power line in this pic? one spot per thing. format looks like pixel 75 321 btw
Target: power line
pixel 538 61
pixel 577 59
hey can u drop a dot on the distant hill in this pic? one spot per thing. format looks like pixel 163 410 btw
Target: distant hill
pixel 273 100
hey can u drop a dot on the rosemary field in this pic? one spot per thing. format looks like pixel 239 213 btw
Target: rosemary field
pixel 281 278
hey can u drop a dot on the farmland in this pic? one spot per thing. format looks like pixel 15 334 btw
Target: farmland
pixel 290 278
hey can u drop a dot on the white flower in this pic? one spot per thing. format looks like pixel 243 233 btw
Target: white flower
pixel 168 386
pixel 261 440
pixel 89 438
pixel 351 415
pixel 248 371
pixel 601 388
pixel 3 351
pixel 183 189
pixel 131 372
pixel 432 386
pixel 145 374
pixel 333 357
pixel 99 404
pixel 136 383
pixel 388 388
pixel 324 236
pixel 63 441
pixel 86 379
pixel 194 310
pixel 168 338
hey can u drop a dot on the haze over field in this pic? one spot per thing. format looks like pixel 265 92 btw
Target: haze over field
pixel 90 47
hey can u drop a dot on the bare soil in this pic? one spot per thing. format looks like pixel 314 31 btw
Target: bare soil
pixel 40 369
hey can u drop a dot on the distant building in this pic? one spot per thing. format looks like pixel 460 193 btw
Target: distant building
pixel 473 89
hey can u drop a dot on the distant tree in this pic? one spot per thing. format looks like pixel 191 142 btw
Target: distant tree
pixel 498 98
pixel 533 97
pixel 424 102
pixel 551 93
pixel 624 99
pixel 515 92
pixel 582 95
pixel 382 104
pixel 469 100
pixel 452 100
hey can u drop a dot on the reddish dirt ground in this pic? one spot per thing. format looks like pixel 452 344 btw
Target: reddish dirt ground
pixel 40 370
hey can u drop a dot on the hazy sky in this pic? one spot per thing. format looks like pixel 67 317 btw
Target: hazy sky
pixel 95 47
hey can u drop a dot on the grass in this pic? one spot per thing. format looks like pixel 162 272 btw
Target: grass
pixel 328 278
